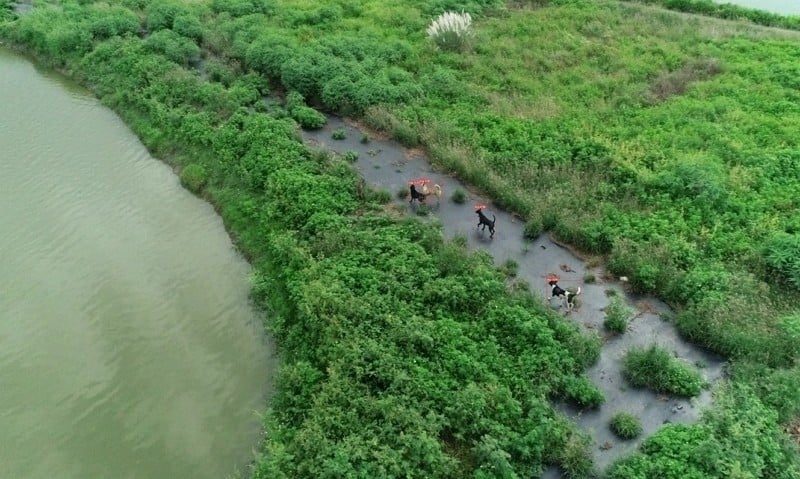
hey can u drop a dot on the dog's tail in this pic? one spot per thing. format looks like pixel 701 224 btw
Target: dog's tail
pixel 494 219
pixel 437 190
pixel 578 292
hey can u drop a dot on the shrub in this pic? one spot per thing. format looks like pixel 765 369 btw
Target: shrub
pixel 782 253
pixel 617 314
pixel 339 134
pixel 114 21
pixel 351 156
pixel 160 15
pixel 451 31
pixel 576 460
pixel 625 426
pixel 194 177
pixel 380 196
pixel 307 117
pixel 177 48
pixel 581 392
pixel 509 267
pixel 364 138
pixel 459 196
pixel 188 26
pixel 533 229
pixel 655 368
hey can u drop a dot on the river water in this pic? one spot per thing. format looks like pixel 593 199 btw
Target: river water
pixel 128 348
pixel 784 7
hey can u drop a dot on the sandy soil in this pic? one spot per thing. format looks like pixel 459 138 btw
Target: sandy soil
pixel 389 165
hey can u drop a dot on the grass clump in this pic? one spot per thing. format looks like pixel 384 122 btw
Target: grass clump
pixel 351 156
pixel 339 134
pixel 509 267
pixel 655 368
pixel 451 31
pixel 533 229
pixel 625 426
pixel 576 460
pixel 580 391
pixel 617 315
pixel 194 177
pixel 459 196
pixel 380 196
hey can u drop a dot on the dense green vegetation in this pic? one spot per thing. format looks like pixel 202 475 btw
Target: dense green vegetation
pixel 657 369
pixel 625 426
pixel 738 438
pixel 666 142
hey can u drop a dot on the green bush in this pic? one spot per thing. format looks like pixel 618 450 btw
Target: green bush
pixel 656 369
pixel 782 253
pixel 351 156
pixel 509 267
pixel 459 196
pixel 580 391
pixel 533 229
pixel 625 426
pixel 189 26
pixel 380 196
pixel 307 117
pixel 576 460
pixel 161 15
pixel 339 134
pixel 194 177
pixel 177 48
pixel 617 315
pixel 113 21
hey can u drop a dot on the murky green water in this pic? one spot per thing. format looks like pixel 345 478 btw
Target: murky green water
pixel 127 345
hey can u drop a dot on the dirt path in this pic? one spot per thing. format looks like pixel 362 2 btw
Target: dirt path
pixel 389 165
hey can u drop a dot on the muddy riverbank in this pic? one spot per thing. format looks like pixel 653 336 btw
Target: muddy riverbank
pixel 388 165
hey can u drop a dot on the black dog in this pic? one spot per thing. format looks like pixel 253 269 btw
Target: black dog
pixel 483 220
pixel 416 195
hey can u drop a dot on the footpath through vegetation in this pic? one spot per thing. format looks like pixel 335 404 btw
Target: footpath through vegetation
pixel 666 142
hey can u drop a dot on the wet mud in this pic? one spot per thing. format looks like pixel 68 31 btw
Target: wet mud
pixel 388 165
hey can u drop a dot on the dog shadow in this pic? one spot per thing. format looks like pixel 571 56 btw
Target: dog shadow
pixel 483 236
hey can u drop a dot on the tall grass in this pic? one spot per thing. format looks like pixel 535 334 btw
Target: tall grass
pixel 656 369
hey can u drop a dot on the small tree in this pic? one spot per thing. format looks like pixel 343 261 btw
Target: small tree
pixel 451 31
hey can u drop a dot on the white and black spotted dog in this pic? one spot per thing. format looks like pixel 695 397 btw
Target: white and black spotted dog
pixel 567 297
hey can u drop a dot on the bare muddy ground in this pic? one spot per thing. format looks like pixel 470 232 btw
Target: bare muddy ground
pixel 389 165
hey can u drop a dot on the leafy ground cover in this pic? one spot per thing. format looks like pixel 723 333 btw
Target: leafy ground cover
pixel 664 141
pixel 402 354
